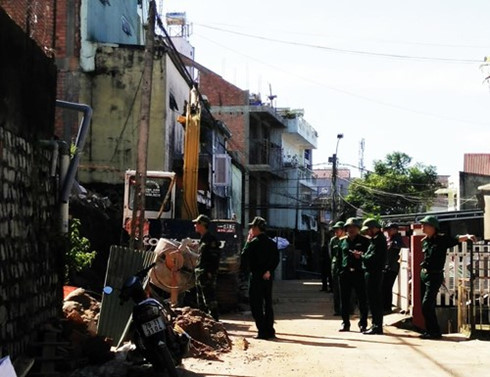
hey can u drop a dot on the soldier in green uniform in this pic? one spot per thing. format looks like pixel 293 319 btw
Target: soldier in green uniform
pixel 207 267
pixel 336 257
pixel 373 261
pixel 261 257
pixel 434 247
pixel 351 276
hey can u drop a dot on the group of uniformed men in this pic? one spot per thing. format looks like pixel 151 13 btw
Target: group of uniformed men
pixel 363 261
pixel 366 262
pixel 360 264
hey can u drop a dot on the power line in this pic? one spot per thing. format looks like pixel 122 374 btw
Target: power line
pixel 346 92
pixel 377 40
pixel 346 51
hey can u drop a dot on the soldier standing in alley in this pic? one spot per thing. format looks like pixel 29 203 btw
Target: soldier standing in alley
pixel 373 261
pixel 207 267
pixel 351 276
pixel 261 257
pixel 336 258
pixel 392 265
pixel 434 247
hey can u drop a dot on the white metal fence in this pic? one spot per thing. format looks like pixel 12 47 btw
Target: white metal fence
pixel 472 300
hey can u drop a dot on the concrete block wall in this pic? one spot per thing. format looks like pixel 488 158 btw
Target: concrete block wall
pixel 30 263
pixel 31 254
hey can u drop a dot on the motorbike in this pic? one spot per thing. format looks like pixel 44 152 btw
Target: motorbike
pixel 152 322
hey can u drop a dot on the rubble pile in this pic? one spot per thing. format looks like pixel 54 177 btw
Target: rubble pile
pixel 81 308
pixel 209 338
pixel 81 312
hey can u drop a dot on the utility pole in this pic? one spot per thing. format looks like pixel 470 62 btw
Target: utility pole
pixel 138 219
pixel 333 160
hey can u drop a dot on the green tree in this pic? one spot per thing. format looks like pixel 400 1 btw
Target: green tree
pixel 79 255
pixel 395 186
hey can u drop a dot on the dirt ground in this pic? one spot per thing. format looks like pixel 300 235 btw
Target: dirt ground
pixel 308 344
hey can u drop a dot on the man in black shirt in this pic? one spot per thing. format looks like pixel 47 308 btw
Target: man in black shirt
pixel 434 247
pixel 261 257
pixel 351 277
pixel 207 267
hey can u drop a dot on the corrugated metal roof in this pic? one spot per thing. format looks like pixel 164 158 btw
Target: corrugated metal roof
pixel 327 173
pixel 477 163
pixel 123 262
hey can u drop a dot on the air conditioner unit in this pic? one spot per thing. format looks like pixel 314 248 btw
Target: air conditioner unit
pixel 222 170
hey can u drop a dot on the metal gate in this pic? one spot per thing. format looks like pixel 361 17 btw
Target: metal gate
pixel 468 286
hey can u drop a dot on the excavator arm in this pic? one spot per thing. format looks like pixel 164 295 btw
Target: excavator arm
pixel 191 156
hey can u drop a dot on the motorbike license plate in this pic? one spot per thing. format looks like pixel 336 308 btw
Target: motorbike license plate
pixel 153 326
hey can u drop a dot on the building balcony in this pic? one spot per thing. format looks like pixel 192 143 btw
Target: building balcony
pixel 301 133
pixel 265 156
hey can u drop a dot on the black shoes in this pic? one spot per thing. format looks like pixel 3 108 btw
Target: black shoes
pixel 266 336
pixel 344 328
pixel 427 335
pixel 374 331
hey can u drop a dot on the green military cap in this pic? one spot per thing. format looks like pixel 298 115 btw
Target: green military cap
pixel 202 219
pixel 352 221
pixel 390 225
pixel 371 223
pixel 338 225
pixel 430 220
pixel 258 222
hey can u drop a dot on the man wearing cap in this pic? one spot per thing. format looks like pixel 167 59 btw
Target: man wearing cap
pixel 351 276
pixel 261 257
pixel 392 266
pixel 207 267
pixel 373 261
pixel 336 257
pixel 434 247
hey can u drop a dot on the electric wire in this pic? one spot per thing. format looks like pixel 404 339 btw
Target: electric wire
pixel 349 93
pixel 344 51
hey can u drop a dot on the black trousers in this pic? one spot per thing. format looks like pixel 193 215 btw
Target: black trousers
pixel 206 293
pixel 353 280
pixel 327 277
pixel 375 301
pixel 389 278
pixel 260 297
pixel 429 287
pixel 336 292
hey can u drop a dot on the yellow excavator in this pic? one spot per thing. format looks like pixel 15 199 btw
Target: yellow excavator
pixel 175 273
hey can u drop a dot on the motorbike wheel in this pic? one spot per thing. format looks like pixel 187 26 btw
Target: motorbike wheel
pixel 165 360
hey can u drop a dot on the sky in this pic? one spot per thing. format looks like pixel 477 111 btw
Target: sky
pixel 402 76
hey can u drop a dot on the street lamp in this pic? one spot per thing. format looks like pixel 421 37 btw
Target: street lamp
pixel 333 160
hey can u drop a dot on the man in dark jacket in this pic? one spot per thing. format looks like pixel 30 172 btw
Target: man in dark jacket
pixel 392 266
pixel 373 261
pixel 207 267
pixel 336 257
pixel 351 276
pixel 261 257
pixel 434 247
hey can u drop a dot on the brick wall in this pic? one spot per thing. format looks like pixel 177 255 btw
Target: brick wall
pixel 55 26
pixel 31 264
pixel 36 18
pixel 221 94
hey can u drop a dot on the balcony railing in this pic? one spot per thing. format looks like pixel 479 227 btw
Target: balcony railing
pixel 263 152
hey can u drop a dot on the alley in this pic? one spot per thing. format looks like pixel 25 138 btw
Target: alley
pixel 309 344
